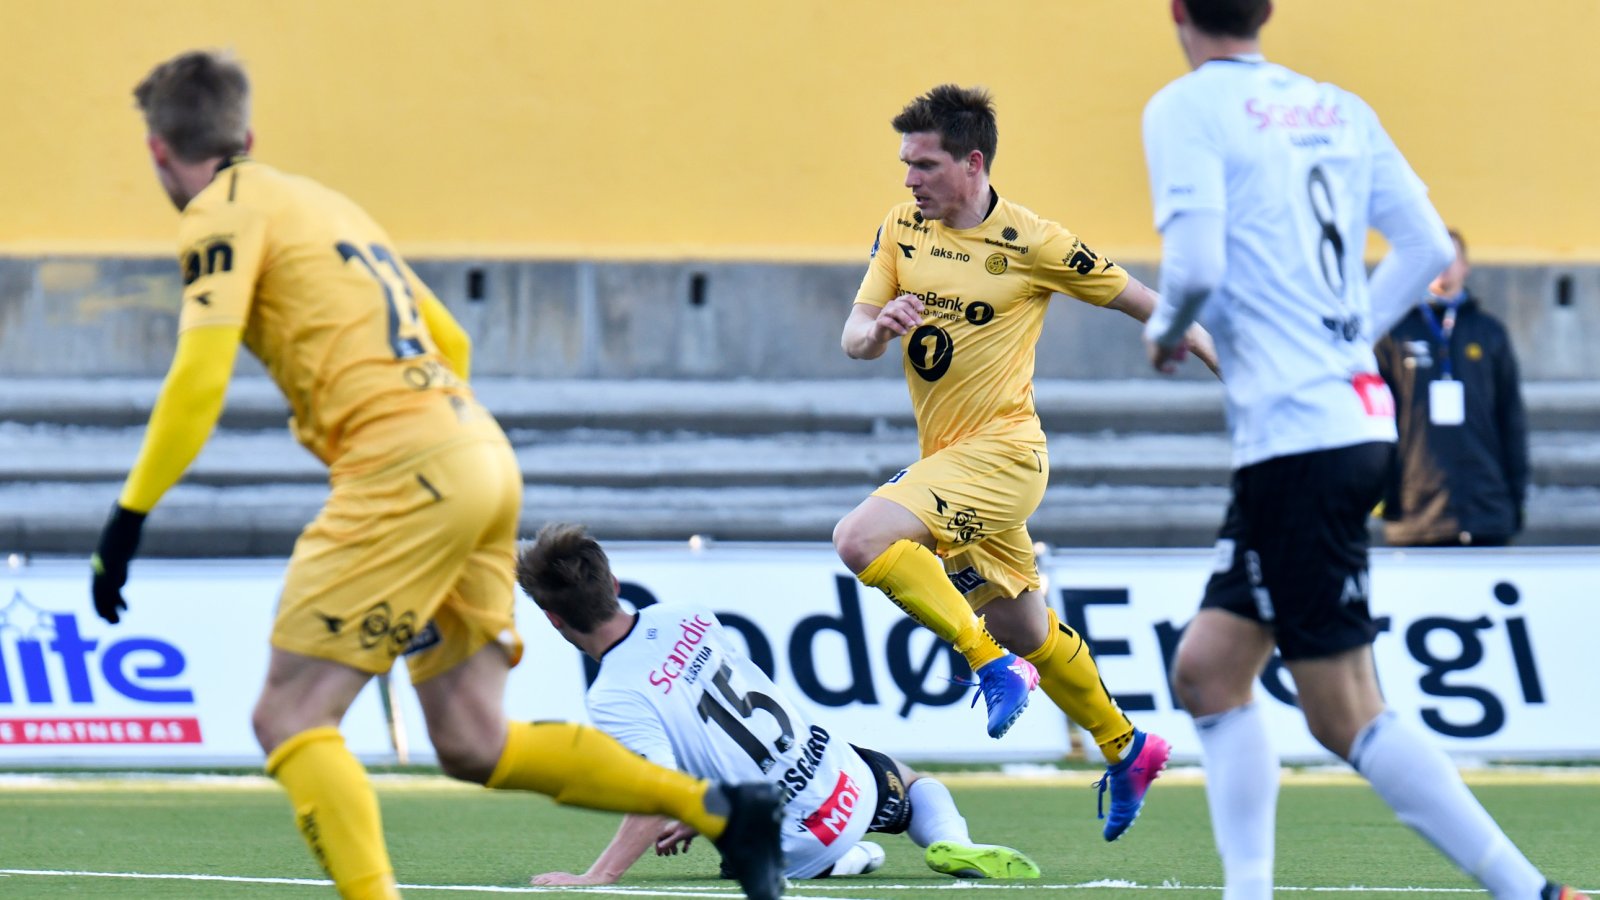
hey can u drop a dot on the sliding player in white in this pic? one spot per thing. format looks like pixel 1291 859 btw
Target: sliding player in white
pixel 1265 183
pixel 674 688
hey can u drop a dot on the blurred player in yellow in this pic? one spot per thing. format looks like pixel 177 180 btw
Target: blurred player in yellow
pixel 413 552
pixel 961 278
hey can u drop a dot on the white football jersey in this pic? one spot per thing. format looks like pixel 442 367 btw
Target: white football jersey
pixel 1297 169
pixel 680 692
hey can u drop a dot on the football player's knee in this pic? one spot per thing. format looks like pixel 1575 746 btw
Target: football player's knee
pixel 269 727
pixel 855 549
pixel 1195 691
pixel 464 759
pixel 266 736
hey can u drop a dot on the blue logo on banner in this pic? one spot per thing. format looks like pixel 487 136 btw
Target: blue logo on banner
pixel 138 668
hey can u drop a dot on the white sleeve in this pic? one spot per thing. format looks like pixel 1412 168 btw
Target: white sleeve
pixel 1419 245
pixel 1193 261
pixel 633 721
pixel 1185 161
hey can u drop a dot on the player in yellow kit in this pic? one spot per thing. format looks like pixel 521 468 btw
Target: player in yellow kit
pixel 413 552
pixel 961 278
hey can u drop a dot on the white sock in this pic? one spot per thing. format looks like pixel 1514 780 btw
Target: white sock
pixel 934 816
pixel 1242 793
pixel 860 859
pixel 1423 787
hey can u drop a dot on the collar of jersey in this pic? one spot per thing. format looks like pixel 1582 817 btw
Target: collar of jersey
pixel 629 633
pixel 1248 58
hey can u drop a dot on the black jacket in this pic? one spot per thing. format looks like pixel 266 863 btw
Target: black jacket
pixel 1455 484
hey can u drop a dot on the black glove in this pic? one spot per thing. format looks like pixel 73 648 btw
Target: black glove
pixel 118 541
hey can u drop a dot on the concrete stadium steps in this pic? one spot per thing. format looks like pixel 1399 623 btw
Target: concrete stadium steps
pixel 1133 463
pixel 49 519
pixel 735 407
pixel 580 457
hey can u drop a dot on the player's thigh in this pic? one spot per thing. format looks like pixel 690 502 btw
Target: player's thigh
pixel 875 525
pixel 464 708
pixel 301 693
pixel 973 490
pixel 1293 552
pixel 1218 660
pixel 368 574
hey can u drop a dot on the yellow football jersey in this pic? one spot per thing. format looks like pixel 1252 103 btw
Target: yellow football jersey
pixel 329 308
pixel 985 290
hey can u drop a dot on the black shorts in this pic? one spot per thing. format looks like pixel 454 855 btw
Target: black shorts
pixel 893 814
pixel 1292 553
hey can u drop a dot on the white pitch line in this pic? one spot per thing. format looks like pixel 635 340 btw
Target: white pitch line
pixel 607 890
pixel 1115 884
pixel 723 893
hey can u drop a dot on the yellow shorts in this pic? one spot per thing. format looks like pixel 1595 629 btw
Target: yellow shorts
pixel 975 498
pixel 417 559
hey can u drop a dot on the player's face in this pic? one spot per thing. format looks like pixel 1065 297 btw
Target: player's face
pixel 939 182
pixel 162 159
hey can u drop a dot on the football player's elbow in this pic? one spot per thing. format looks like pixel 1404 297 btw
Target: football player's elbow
pixel 1442 252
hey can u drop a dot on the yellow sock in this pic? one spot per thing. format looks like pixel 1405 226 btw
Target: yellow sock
pixel 581 766
pixel 1071 679
pixel 910 575
pixel 336 811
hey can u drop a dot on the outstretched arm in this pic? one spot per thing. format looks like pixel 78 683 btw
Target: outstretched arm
pixel 635 835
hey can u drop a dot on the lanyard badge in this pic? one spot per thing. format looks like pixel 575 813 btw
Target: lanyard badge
pixel 1447 401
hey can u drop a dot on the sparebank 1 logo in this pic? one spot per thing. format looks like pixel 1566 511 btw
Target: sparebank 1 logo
pixel 45 659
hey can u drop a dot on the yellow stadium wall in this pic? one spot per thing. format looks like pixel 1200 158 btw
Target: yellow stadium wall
pixel 755 130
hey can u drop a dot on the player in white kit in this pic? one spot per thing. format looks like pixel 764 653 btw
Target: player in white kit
pixel 1265 183
pixel 676 689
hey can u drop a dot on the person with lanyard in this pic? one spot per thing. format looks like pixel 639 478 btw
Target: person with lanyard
pixel 1461 477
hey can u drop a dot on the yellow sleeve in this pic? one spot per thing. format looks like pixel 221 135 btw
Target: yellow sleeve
pixel 1066 265
pixel 447 333
pixel 186 411
pixel 881 283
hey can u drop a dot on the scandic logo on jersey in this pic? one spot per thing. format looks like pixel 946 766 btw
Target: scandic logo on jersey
pixel 832 818
pixel 1292 116
pixel 683 661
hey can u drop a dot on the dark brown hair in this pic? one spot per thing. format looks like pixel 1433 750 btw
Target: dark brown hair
pixel 963 117
pixel 565 571
pixel 1230 18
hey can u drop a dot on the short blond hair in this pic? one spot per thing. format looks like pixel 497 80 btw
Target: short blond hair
pixel 198 103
